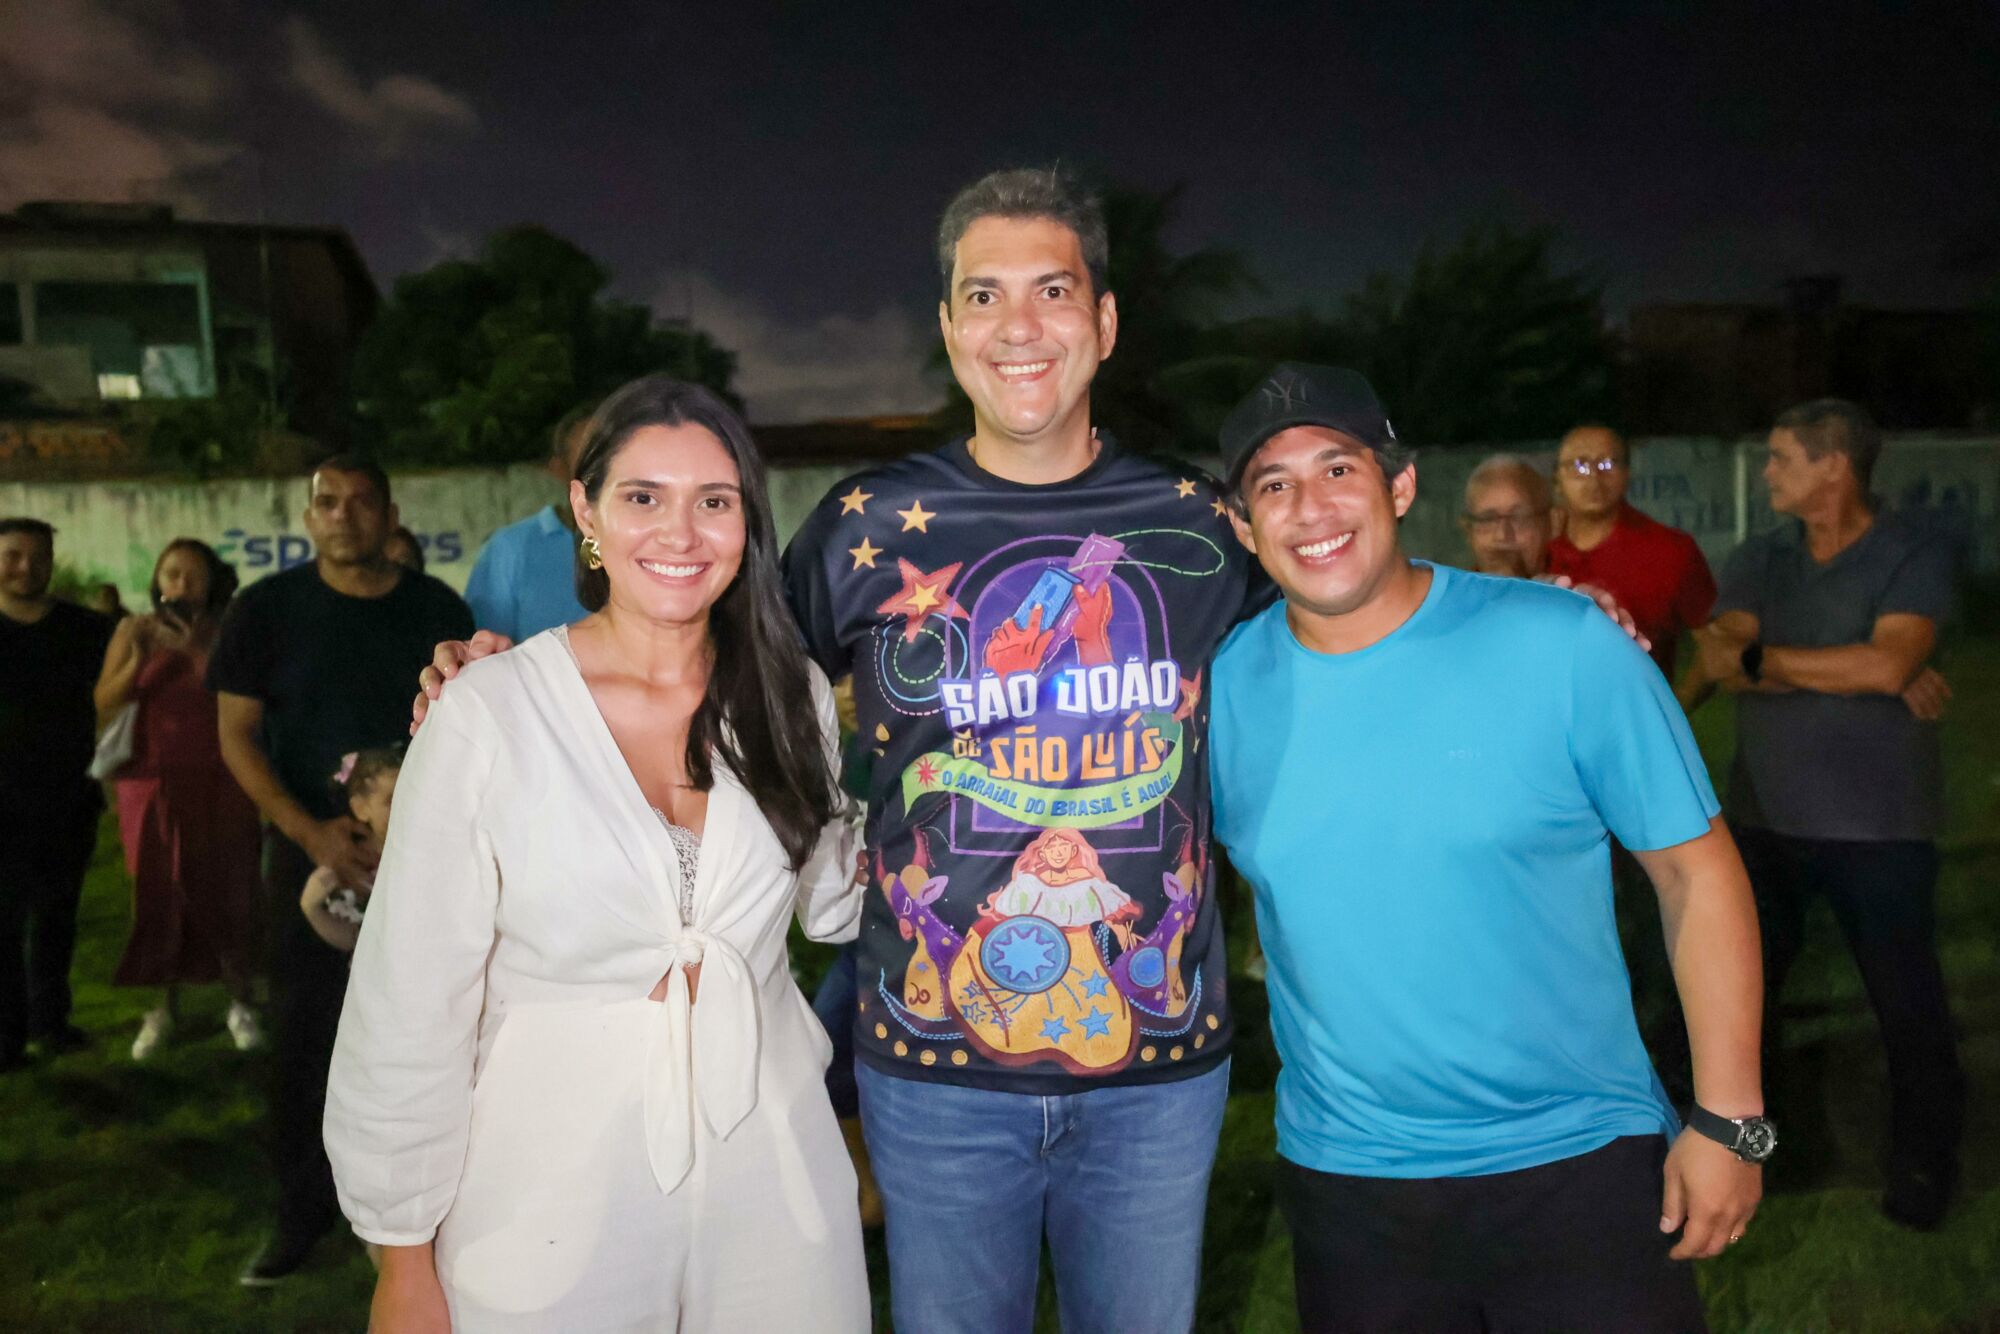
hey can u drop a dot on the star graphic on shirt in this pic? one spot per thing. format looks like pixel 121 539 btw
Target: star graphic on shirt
pixel 864 554
pixel 917 517
pixel 1055 1029
pixel 922 595
pixel 855 501
pixel 1096 1024
pixel 1096 985
pixel 1185 487
pixel 1023 957
pixel 1190 696
pixel 1221 510
pixel 927 771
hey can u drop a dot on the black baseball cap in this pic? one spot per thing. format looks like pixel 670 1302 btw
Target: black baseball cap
pixel 1298 394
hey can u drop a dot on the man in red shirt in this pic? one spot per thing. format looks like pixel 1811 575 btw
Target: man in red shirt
pixel 1655 572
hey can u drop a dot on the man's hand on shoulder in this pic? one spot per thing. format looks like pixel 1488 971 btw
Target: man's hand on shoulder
pixel 446 662
pixel 1607 604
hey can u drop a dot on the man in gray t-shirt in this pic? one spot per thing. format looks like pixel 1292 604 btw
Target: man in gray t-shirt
pixel 1823 631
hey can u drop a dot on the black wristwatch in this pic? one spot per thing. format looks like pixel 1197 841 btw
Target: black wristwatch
pixel 1750 1138
pixel 1752 661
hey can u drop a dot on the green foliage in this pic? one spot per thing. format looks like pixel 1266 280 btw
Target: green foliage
pixel 472 361
pixel 1483 340
pixel 1169 312
pixel 206 436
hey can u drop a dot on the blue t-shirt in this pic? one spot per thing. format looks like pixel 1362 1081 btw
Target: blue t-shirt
pixel 524 581
pixel 1427 825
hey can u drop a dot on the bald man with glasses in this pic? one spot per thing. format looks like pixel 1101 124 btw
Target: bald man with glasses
pixel 1655 571
pixel 1506 520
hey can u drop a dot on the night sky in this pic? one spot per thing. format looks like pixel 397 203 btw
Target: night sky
pixel 781 168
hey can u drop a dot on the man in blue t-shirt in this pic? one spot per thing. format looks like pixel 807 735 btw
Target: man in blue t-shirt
pixel 1420 771
pixel 525 578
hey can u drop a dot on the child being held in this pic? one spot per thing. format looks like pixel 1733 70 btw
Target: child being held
pixel 368 780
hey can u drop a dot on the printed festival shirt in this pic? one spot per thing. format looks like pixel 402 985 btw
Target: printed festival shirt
pixel 1029 666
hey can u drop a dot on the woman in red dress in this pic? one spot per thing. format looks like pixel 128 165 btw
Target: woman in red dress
pixel 191 836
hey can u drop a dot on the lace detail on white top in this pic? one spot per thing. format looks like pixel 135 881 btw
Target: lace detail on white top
pixel 687 843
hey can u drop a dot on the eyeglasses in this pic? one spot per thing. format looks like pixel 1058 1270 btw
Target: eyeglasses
pixel 1585 467
pixel 1492 521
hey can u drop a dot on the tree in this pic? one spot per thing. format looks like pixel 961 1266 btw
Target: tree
pixel 474 360
pixel 1483 341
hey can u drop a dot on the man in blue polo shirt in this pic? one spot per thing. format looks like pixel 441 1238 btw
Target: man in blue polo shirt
pixel 1420 771
pixel 525 578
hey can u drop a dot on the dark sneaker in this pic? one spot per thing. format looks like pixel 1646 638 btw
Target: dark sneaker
pixel 1918 1199
pixel 68 1038
pixel 278 1259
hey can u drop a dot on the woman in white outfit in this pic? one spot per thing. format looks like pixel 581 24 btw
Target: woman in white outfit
pixel 575 1087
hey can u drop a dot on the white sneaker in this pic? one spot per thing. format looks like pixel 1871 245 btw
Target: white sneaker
pixel 243 1027
pixel 153 1031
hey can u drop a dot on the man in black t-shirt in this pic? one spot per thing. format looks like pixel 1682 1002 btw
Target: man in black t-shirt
pixel 311 664
pixel 50 655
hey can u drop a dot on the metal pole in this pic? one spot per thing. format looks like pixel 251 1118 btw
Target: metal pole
pixel 1742 470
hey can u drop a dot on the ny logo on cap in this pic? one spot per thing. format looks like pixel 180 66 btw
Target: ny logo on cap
pixel 1288 387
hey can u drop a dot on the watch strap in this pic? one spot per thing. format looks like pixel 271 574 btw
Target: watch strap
pixel 1752 1138
pixel 1727 1133
pixel 1752 661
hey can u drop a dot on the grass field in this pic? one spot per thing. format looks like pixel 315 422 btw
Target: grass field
pixel 130 1196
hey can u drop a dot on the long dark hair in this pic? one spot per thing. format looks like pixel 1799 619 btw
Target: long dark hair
pixel 758 713
pixel 221 574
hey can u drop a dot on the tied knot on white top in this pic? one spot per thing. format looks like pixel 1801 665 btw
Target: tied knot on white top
pixel 701 1065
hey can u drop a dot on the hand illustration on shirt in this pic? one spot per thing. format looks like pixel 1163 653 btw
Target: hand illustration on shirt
pixel 1092 627
pixel 1016 649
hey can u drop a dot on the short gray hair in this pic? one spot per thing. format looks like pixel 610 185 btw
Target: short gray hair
pixel 1511 468
pixel 1834 424
pixel 1028 192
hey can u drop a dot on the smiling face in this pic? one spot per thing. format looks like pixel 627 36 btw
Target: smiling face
pixel 1024 329
pixel 1322 519
pixel 27 563
pixel 348 518
pixel 668 521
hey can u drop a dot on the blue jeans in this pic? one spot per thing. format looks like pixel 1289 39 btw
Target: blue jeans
pixel 1118 1178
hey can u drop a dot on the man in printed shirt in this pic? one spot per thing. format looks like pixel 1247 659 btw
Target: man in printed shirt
pixel 1027 614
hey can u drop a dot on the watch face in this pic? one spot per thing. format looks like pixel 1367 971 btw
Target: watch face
pixel 1759 1138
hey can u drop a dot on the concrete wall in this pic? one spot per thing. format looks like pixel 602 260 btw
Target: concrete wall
pixel 113 530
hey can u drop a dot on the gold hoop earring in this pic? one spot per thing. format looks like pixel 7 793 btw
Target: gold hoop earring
pixel 592 558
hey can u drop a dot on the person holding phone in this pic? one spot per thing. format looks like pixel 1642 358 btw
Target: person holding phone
pixel 190 834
